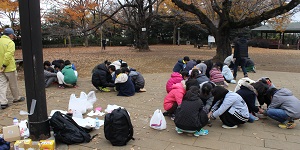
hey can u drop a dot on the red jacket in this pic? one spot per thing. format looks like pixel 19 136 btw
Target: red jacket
pixel 216 75
pixel 175 96
pixel 175 78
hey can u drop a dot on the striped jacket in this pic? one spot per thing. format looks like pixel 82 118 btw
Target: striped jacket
pixel 236 105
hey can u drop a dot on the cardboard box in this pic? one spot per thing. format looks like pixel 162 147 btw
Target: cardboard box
pixel 26 144
pixel 11 133
pixel 47 144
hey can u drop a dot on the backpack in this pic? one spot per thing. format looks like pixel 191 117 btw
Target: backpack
pixel 117 127
pixel 66 130
pixel 4 145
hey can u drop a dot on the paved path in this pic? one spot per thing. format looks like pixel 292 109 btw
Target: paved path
pixel 261 135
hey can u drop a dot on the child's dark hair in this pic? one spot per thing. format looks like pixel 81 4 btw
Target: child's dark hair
pixel 270 93
pixel 209 64
pixel 219 93
pixel 219 64
pixel 106 62
pixel 50 69
pixel 67 62
pixel 124 70
pixel 118 71
pixel 61 67
pixel 47 63
pixel 207 87
pixel 198 61
pixel 186 58
pixel 190 92
pixel 112 67
pixel 194 73
pixel 184 73
pixel 124 65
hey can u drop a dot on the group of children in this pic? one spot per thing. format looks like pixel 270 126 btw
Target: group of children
pixel 62 72
pixel 127 81
pixel 194 98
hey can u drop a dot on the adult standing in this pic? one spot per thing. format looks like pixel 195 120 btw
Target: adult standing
pixel 240 55
pixel 103 44
pixel 8 72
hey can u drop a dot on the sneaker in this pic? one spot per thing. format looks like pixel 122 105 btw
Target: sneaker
pixel 21 99
pixel 166 113
pixel 173 117
pixel 104 89
pixel 178 130
pixel 143 90
pixel 260 116
pixel 3 106
pixel 201 132
pixel 61 86
pixel 289 125
pixel 228 127
pixel 246 75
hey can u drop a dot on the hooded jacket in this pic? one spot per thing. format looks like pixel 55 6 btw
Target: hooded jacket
pixel 137 79
pixel 202 67
pixel 176 77
pixel 249 94
pixel 7 52
pixel 190 114
pixel 179 66
pixel 101 76
pixel 236 105
pixel 69 75
pixel 190 65
pixel 284 99
pixel 226 72
pixel 124 85
pixel 202 78
pixel 174 96
pixel 240 48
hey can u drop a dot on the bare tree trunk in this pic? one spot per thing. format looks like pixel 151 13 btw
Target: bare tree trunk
pixel 142 40
pixel 69 40
pixel 223 45
pixel 174 35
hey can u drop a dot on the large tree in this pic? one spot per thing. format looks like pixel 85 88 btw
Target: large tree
pixel 222 16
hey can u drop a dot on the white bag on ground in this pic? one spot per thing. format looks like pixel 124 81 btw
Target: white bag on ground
pixel 158 120
pixel 91 99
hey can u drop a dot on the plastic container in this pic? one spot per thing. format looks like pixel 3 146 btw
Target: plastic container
pixel 16 121
pixel 97 123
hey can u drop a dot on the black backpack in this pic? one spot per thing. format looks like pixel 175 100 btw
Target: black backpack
pixel 117 127
pixel 66 130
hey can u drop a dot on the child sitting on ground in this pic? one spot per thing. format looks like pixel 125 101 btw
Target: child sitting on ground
pixel 228 76
pixel 101 76
pixel 49 75
pixel 190 116
pixel 67 76
pixel 176 77
pixel 137 79
pixel 216 74
pixel 174 98
pixel 284 107
pixel 124 83
pixel 230 107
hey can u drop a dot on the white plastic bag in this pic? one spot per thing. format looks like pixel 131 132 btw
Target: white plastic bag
pixel 24 131
pixel 158 120
pixel 78 104
pixel 91 99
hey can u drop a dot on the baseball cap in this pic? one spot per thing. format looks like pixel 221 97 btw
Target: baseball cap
pixel 9 31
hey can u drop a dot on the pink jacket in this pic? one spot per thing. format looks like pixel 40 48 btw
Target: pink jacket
pixel 175 78
pixel 175 96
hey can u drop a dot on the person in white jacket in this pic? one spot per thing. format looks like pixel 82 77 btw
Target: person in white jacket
pixel 228 76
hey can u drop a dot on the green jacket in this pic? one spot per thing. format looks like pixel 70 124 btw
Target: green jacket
pixel 7 52
pixel 69 75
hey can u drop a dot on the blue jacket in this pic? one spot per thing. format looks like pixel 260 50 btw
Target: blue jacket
pixel 248 93
pixel 124 85
pixel 190 65
pixel 179 66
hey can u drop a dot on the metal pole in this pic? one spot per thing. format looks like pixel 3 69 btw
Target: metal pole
pixel 31 37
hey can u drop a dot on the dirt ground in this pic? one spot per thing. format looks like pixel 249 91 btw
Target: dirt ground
pixel 162 58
